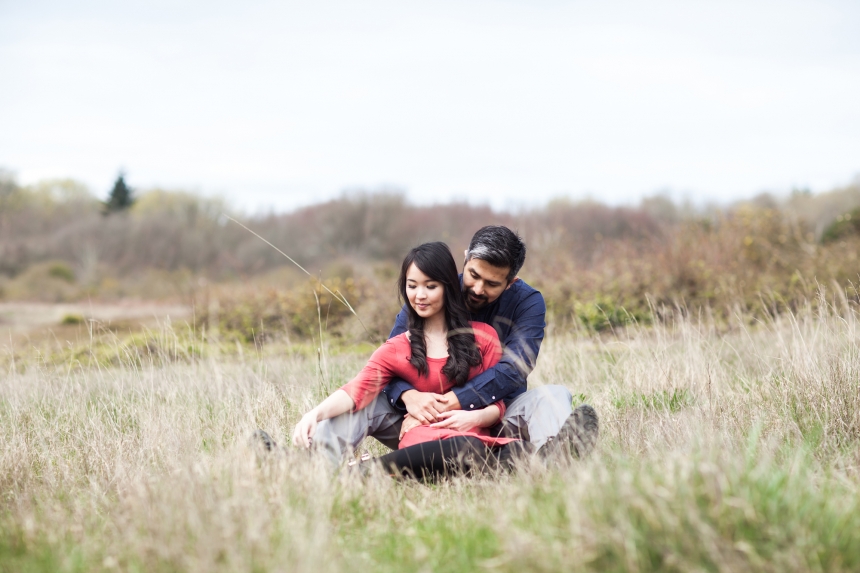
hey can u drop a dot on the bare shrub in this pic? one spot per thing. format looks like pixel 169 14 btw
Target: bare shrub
pixel 589 259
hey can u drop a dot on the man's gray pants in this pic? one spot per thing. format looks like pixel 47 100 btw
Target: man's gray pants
pixel 536 416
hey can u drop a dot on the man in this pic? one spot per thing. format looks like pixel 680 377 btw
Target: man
pixel 497 296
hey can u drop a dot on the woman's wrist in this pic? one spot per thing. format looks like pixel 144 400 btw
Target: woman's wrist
pixel 490 416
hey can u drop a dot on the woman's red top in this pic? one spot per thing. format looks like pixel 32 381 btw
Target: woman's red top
pixel 391 360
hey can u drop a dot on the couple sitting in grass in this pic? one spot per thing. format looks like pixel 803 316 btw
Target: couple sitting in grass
pixel 447 392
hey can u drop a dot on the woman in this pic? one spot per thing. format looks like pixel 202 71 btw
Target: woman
pixel 441 349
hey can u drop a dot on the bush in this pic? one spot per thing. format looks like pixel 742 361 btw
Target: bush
pixel 73 319
pixel 254 316
pixel 845 225
pixel 62 271
pixel 47 282
pixel 604 313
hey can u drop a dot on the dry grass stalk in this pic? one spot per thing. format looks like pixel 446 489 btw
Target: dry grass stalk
pixel 728 450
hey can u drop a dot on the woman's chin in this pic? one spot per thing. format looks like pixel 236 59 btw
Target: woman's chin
pixel 426 313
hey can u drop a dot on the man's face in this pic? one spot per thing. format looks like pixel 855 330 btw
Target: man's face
pixel 483 283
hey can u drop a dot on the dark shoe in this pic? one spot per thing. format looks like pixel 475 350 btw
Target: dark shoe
pixel 513 455
pixel 578 434
pixel 262 440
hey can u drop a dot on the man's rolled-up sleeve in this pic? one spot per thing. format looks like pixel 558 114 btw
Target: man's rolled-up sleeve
pixel 521 347
pixel 398 386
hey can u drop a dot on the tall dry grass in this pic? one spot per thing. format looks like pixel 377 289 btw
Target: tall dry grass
pixel 725 447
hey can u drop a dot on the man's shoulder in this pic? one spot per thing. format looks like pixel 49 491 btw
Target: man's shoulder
pixel 518 299
pixel 519 291
pixel 522 286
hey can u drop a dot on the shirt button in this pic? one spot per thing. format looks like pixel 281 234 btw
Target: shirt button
pixel 494 397
pixel 471 405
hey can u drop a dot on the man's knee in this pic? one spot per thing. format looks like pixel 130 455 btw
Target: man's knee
pixel 556 393
pixel 553 399
pixel 551 396
pixel 539 413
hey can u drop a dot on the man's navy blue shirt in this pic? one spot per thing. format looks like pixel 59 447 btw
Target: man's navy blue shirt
pixel 519 318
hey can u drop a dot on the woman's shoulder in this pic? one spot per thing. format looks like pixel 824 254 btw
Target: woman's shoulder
pixel 391 352
pixel 397 344
pixel 402 338
pixel 482 327
pixel 397 341
pixel 484 331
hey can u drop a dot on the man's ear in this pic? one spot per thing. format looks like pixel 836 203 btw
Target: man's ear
pixel 512 283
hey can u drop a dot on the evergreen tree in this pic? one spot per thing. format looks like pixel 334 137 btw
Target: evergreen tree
pixel 120 197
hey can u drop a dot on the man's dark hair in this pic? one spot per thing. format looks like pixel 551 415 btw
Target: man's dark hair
pixel 500 247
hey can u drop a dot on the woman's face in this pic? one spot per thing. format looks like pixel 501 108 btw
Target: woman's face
pixel 425 295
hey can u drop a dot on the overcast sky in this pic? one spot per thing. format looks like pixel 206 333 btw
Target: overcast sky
pixel 509 102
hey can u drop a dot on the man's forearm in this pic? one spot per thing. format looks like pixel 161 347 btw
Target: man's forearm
pixel 394 393
pixel 488 387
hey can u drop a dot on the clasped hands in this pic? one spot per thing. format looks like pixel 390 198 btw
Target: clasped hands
pixel 437 410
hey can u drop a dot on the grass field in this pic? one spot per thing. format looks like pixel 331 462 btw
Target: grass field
pixel 730 447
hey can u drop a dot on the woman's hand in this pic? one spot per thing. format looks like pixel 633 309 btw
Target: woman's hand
pixel 338 403
pixel 305 430
pixel 459 420
pixel 424 406
pixel 409 422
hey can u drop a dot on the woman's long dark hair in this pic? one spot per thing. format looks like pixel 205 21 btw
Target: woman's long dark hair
pixel 435 261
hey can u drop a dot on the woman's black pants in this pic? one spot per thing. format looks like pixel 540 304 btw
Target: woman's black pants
pixel 460 455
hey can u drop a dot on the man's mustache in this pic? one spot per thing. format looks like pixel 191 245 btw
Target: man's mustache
pixel 469 293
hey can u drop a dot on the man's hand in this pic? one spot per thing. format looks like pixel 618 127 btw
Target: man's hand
pixel 409 422
pixel 458 420
pixel 305 430
pixel 424 406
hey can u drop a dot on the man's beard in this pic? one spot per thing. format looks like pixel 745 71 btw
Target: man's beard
pixel 475 305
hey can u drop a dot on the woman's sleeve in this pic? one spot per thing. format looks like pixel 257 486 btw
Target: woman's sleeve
pixel 488 342
pixel 502 409
pixel 378 372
